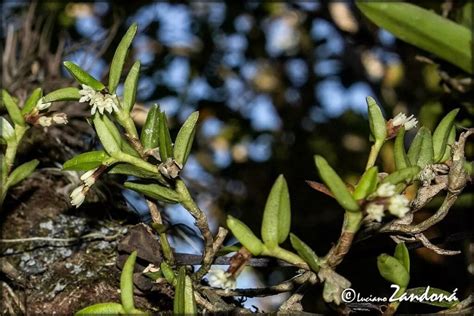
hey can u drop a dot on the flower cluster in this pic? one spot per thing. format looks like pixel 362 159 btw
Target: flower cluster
pixel 43 119
pixel 221 279
pixel 78 195
pixel 396 204
pixel 402 120
pixel 99 102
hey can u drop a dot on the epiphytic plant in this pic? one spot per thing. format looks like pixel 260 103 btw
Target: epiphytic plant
pixel 377 203
pixel 34 112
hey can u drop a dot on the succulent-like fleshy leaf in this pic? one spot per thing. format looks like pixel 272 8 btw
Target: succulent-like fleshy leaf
pixel 83 77
pixel 336 185
pixel 245 235
pixel 64 94
pixel 130 87
pixel 305 252
pixel 185 138
pixel 277 214
pixel 441 135
pixel 12 108
pixel 367 184
pixel 30 103
pixel 424 29
pixel 119 57
pixel 155 191
pixel 150 131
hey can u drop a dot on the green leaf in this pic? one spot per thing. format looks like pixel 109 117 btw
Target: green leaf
pixel 403 175
pixel 130 87
pixel 30 103
pixel 245 235
pixel 424 29
pixel 426 154
pixel 190 307
pixel 168 273
pixel 124 145
pixel 441 134
pixel 150 131
pixel 421 148
pixel 12 108
pixel 102 309
pixel 419 291
pixel 22 172
pixel 277 214
pixel 336 185
pixel 107 134
pixel 86 161
pixel 185 138
pixel 119 57
pixel 184 302
pixel 83 77
pixel 393 270
pixel 155 191
pixel 400 155
pixel 131 170
pixel 378 127
pixel 367 184
pixel 6 130
pixel 449 143
pixel 402 254
pixel 164 138
pixel 64 94
pixel 126 283
pixel 305 252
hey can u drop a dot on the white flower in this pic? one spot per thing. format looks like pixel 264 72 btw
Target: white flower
pixel 99 101
pixel 398 205
pixel 40 106
pixel 45 121
pixel 60 118
pixel 151 268
pixel 221 279
pixel 386 190
pixel 102 102
pixel 407 122
pixel 88 178
pixel 87 93
pixel 78 195
pixel 375 212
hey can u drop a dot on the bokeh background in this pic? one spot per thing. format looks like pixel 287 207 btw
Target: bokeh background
pixel 275 84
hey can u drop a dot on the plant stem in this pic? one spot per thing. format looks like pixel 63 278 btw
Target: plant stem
pixel 201 222
pixel 126 121
pixel 10 154
pixel 350 227
pixel 165 246
pixel 374 152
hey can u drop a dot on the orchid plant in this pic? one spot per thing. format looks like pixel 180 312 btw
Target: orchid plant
pixel 377 202
pixel 35 111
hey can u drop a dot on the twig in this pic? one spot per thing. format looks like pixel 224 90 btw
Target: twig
pixel 286 286
pixel 91 236
pixel 463 307
pixel 293 303
pixel 431 221
pixel 349 228
pixel 221 234
pixel 14 297
pixel 201 222
pixel 426 242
